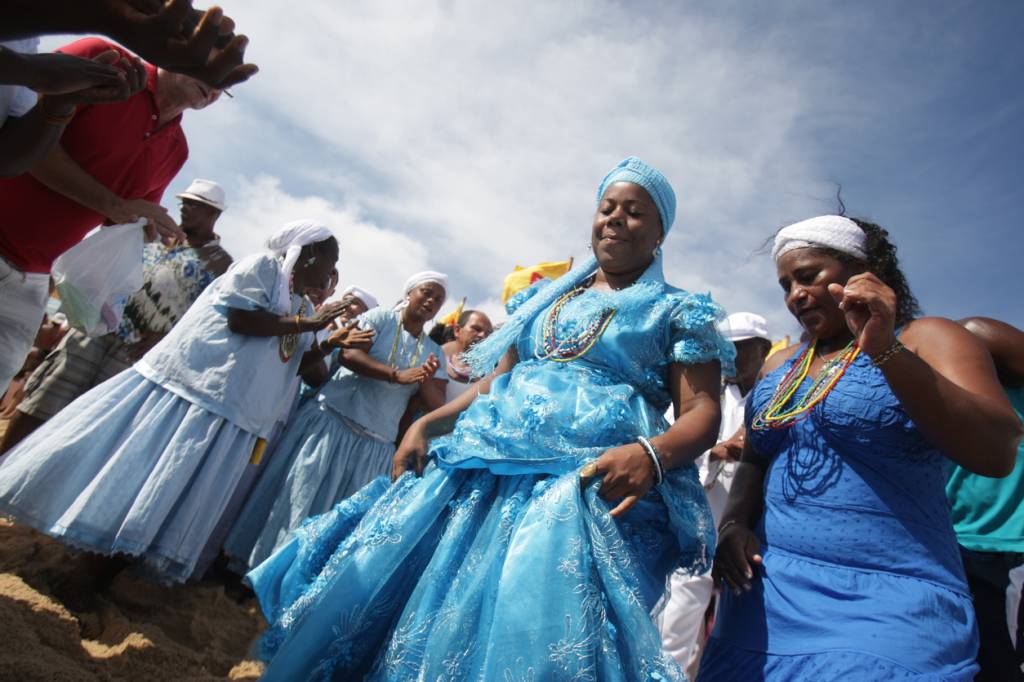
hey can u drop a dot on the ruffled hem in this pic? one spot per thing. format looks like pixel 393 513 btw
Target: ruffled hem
pixel 724 662
pixel 128 468
pixel 467 575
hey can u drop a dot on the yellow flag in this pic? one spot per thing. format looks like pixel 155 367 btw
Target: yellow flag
pixel 453 317
pixel 779 345
pixel 521 277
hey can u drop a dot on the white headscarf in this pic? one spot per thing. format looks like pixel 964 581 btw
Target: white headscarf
pixel 826 231
pixel 362 294
pixel 422 278
pixel 286 244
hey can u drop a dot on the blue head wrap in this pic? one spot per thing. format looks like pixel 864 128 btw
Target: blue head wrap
pixel 636 171
pixel 484 356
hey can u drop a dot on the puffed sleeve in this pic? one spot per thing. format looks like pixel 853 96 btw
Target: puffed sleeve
pixel 694 333
pixel 247 285
pixel 375 319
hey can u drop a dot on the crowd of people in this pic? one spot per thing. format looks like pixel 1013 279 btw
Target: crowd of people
pixel 617 482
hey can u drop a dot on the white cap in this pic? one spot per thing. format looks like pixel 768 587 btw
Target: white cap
pixel 207 192
pixel 742 326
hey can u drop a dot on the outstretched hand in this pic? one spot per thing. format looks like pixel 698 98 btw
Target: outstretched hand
pixel 351 337
pixel 179 38
pixel 626 472
pixel 59 74
pixel 870 309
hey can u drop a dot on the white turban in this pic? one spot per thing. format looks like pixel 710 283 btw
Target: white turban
pixel 287 243
pixel 826 231
pixel 424 277
pixel 362 294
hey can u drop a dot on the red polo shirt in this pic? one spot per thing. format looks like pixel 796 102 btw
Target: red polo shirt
pixel 118 144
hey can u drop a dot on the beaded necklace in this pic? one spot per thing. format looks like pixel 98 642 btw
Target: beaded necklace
pixel 576 345
pixel 288 343
pixel 775 416
pixel 396 354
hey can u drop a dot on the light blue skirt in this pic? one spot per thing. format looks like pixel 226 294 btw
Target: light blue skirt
pixel 468 575
pixel 128 468
pixel 319 461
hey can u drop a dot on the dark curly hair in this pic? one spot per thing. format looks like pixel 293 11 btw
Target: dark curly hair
pixel 882 261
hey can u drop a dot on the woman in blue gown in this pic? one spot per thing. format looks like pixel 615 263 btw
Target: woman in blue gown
pixel 837 539
pixel 536 543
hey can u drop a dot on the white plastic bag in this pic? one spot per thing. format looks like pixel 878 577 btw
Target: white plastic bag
pixel 95 277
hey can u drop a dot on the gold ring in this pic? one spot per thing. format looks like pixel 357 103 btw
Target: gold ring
pixel 589 470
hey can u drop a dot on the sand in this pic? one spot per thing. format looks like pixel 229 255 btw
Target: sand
pixel 136 630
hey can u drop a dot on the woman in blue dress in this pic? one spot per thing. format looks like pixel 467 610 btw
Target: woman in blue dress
pixel 837 540
pixel 143 464
pixel 538 540
pixel 345 436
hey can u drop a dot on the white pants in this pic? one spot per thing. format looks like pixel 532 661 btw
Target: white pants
pixel 682 621
pixel 22 305
pixel 1014 603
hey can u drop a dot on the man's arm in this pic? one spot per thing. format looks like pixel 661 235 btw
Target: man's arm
pixel 64 175
pixel 68 81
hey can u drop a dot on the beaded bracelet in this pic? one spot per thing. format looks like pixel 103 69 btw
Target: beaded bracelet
pixel 888 354
pixel 659 472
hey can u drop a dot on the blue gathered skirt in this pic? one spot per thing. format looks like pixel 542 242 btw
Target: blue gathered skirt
pixel 318 462
pixel 128 468
pixel 465 574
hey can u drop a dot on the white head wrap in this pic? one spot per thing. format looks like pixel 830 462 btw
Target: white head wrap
pixel 826 231
pixel 362 294
pixel 424 277
pixel 286 244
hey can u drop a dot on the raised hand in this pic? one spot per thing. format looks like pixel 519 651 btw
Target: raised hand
pixel 870 309
pixel 737 554
pixel 627 473
pixel 326 314
pixel 179 38
pixel 417 375
pixel 351 336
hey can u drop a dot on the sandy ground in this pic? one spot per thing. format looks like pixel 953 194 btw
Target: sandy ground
pixel 134 631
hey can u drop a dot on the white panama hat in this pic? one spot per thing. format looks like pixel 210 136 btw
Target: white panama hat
pixel 207 192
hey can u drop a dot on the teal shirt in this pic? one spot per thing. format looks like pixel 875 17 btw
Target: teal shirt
pixel 988 513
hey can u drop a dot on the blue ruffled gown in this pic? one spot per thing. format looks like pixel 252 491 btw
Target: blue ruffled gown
pixel 496 564
pixel 862 577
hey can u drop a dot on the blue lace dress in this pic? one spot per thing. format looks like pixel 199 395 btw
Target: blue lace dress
pixel 496 564
pixel 862 578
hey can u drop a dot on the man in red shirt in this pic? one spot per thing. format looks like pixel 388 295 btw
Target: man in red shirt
pixel 112 165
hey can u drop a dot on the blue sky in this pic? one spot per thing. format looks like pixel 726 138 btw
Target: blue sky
pixel 469 138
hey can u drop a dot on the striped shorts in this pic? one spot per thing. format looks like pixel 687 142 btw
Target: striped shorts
pixel 78 363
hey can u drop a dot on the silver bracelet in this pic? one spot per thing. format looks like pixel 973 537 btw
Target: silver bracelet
pixel 659 471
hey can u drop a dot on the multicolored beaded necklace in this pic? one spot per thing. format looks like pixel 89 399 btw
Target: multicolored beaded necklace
pixel 578 344
pixel 775 415
pixel 288 343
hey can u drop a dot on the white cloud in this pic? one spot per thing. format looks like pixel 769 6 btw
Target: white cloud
pixel 479 132
pixel 482 132
pixel 377 259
